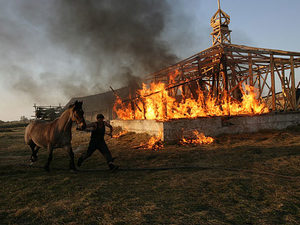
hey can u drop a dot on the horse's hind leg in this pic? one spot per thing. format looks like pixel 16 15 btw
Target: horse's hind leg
pixel 34 149
pixel 46 167
pixel 34 155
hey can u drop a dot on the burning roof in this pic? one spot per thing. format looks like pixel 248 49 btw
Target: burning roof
pixel 225 79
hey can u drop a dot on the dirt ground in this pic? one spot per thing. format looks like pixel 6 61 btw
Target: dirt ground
pixel 239 179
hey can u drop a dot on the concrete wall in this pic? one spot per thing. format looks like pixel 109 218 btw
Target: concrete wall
pixel 215 126
pixel 174 130
pixel 151 127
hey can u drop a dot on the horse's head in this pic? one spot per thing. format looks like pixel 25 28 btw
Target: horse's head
pixel 77 114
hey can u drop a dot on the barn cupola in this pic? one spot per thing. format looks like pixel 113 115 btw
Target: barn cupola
pixel 219 22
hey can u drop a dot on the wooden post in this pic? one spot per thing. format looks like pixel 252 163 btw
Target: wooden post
pixel 250 69
pixel 216 94
pixel 224 72
pixel 273 83
pixel 165 105
pixel 200 81
pixel 293 85
pixel 259 82
pixel 212 90
pixel 183 86
pixel 283 77
pixel 144 107
pixel 133 109
pixel 223 65
pixel 283 87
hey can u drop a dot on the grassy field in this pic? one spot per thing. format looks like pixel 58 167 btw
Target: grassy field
pixel 239 179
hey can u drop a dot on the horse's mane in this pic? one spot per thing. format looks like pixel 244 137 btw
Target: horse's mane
pixel 77 104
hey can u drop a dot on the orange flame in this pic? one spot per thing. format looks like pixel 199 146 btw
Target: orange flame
pixel 124 110
pixel 120 134
pixel 154 143
pixel 200 139
pixel 156 103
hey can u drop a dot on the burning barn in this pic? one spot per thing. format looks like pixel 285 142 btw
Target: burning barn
pixel 205 91
pixel 226 88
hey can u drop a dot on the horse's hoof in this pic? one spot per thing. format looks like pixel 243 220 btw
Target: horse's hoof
pixel 113 168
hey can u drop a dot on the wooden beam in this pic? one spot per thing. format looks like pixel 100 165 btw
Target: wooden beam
pixel 293 85
pixel 250 69
pixel 273 83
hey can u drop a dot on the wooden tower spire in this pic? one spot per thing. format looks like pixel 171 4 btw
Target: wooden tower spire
pixel 219 22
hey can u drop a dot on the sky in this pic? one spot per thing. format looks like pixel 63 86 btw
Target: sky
pixel 53 50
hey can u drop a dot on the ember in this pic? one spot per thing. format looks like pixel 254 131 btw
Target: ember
pixel 154 143
pixel 122 133
pixel 156 103
pixel 200 139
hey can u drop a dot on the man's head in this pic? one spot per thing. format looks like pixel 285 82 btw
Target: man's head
pixel 100 117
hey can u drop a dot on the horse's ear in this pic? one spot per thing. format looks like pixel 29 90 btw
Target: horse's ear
pixel 75 104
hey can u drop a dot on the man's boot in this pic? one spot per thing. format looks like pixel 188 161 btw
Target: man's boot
pixel 112 167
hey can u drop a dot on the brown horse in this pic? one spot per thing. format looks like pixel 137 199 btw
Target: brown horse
pixel 55 134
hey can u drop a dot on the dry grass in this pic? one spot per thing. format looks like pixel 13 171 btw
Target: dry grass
pixel 240 179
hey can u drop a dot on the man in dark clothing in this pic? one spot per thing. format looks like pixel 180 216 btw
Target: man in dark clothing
pixel 97 142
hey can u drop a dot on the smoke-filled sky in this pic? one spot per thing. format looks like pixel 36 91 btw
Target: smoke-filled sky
pixel 52 50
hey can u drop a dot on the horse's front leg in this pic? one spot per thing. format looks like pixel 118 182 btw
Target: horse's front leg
pixel 71 154
pixel 50 149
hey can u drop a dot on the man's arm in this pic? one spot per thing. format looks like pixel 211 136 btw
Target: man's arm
pixel 110 127
pixel 90 127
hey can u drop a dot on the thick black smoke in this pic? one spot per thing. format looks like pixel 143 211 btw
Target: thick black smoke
pixel 113 40
pixel 122 33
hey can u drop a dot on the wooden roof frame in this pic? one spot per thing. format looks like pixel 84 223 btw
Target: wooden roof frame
pixel 225 67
